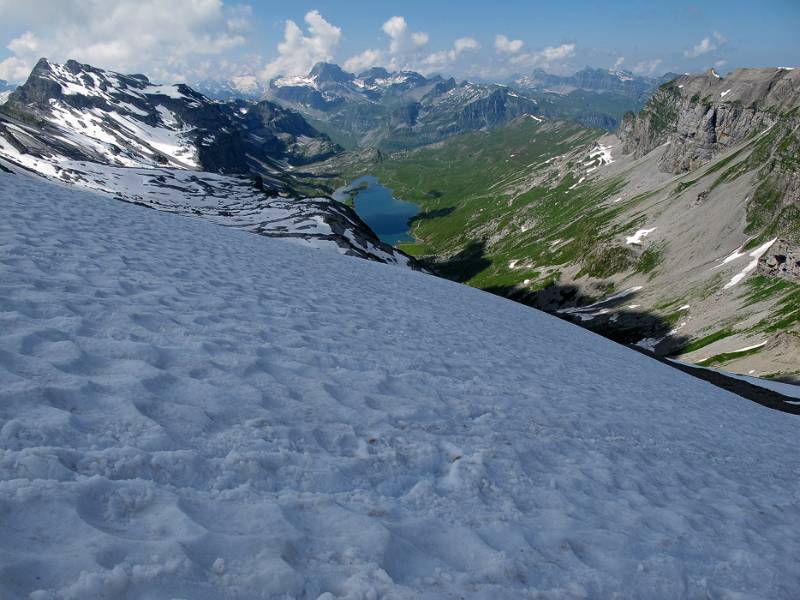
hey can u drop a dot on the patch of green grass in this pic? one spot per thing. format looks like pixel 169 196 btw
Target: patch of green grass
pixel 650 259
pixel 683 185
pixel 413 249
pixel 705 341
pixel 726 357
pixel 785 313
pixel 606 261
pixel 761 287
pixel 662 110
pixel 762 210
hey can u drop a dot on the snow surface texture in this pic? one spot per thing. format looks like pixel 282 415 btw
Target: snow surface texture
pixel 189 411
pixel 228 200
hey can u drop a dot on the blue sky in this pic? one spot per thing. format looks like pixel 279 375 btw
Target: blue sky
pixel 191 40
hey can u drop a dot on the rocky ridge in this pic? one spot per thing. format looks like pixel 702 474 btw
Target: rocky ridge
pixel 703 115
pixel 393 110
pixel 171 148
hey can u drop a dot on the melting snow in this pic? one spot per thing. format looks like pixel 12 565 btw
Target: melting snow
pixel 637 237
pixel 751 266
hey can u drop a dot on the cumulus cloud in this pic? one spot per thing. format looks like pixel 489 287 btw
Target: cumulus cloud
pixel 366 59
pixel 298 52
pixel 163 38
pixel 404 51
pixel 439 60
pixel 503 44
pixel 706 45
pixel 647 67
pixel 544 58
pixel 401 39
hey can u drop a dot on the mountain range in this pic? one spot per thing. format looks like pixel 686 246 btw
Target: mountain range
pixel 589 79
pixel 395 110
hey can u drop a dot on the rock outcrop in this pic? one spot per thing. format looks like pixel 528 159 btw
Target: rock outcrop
pixel 700 116
pixel 781 260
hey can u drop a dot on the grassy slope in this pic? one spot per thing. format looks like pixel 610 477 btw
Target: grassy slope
pixel 491 200
pixel 479 212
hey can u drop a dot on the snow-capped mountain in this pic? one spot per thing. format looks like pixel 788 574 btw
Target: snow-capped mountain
pixel 192 412
pixel 396 109
pixel 171 148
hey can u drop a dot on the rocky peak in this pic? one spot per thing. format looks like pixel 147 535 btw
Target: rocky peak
pixel 703 115
pixel 375 73
pixel 323 72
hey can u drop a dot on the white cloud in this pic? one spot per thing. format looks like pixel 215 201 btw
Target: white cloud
pixel 366 59
pixel 164 38
pixel 618 63
pixel 720 63
pixel 401 39
pixel 465 43
pixel 405 50
pixel 647 67
pixel 544 58
pixel 14 69
pixel 439 60
pixel 558 53
pixel 706 45
pixel 298 52
pixel 503 44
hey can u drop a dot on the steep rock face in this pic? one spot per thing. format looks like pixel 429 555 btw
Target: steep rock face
pixel 701 116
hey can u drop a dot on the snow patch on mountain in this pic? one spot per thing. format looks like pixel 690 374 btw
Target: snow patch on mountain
pixel 755 255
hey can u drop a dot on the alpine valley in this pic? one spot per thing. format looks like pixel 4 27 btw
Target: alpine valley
pixel 660 212
pixel 678 232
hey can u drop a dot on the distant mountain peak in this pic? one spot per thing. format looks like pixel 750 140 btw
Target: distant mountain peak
pixel 374 73
pixel 324 71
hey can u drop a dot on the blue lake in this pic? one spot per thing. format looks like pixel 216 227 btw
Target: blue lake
pixel 387 216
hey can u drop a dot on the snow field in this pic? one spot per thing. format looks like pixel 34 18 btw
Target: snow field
pixel 191 411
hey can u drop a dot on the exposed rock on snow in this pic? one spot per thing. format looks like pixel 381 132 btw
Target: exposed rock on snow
pixel 171 148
